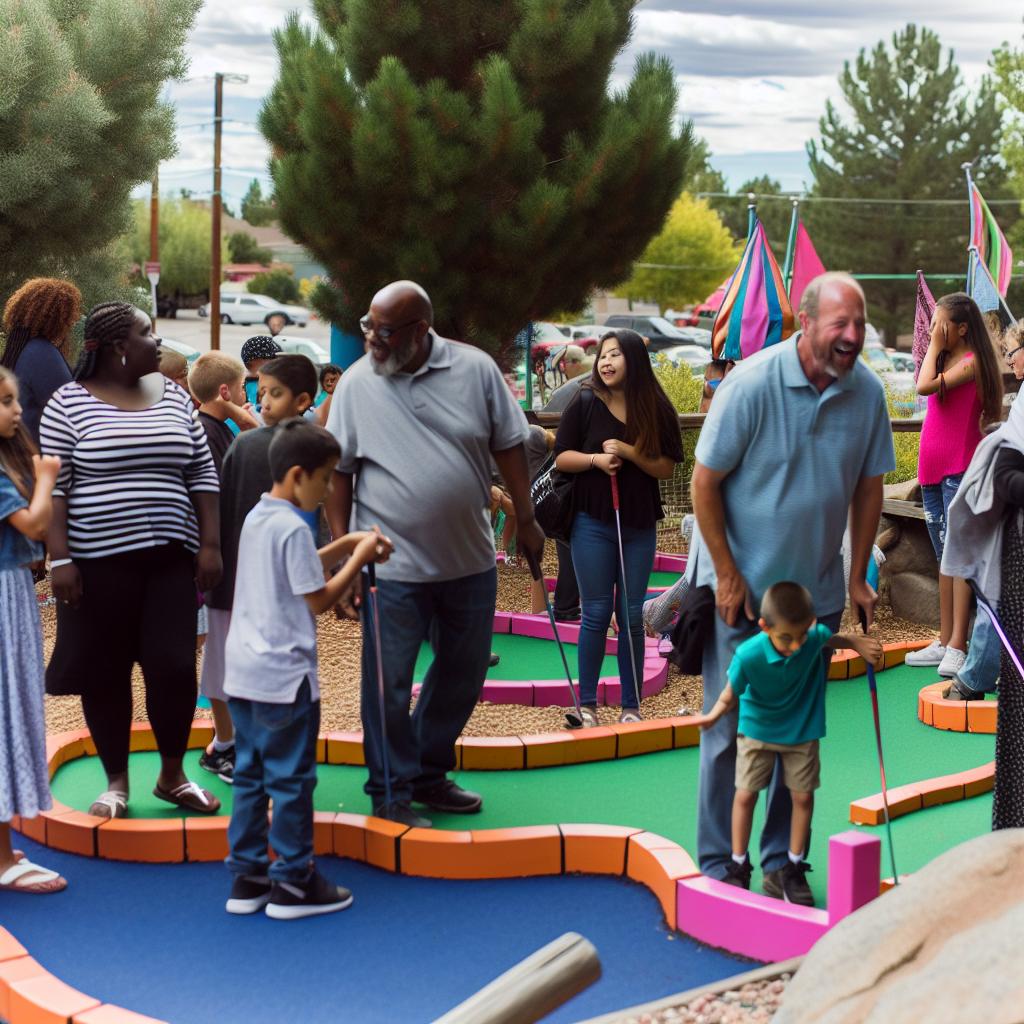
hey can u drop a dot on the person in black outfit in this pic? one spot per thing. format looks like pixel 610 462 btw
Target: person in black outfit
pixel 621 424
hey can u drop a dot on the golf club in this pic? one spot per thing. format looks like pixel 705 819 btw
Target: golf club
pixel 878 739
pixel 375 614
pixel 625 595
pixel 998 627
pixel 574 719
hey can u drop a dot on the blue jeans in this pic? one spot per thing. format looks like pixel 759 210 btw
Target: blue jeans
pixel 275 759
pixel 595 556
pixel 936 499
pixel 718 764
pixel 981 669
pixel 459 617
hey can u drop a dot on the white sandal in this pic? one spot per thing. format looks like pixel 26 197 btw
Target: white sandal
pixel 12 880
pixel 112 804
pixel 590 719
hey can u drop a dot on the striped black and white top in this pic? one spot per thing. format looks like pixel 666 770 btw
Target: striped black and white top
pixel 127 474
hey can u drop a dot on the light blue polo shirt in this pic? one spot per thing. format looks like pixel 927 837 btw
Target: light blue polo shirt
pixel 782 698
pixel 793 458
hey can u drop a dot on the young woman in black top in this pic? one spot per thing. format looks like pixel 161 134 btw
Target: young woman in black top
pixel 621 424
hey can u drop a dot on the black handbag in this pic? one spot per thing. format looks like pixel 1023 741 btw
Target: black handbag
pixel 551 490
pixel 696 623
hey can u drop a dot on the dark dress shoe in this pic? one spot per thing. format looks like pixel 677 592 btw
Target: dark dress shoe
pixel 446 796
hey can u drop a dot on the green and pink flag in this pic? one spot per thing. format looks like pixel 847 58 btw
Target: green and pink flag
pixel 990 242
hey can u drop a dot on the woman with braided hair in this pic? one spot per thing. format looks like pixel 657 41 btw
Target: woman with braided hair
pixel 135 529
pixel 37 320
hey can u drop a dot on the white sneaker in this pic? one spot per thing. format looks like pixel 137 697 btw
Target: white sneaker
pixel 952 661
pixel 930 655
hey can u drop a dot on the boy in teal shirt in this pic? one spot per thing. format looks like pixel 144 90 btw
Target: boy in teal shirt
pixel 779 677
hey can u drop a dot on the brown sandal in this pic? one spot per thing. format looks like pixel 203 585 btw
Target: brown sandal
pixel 190 796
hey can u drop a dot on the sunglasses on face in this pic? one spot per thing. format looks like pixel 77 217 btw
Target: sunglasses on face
pixel 367 326
pixel 1008 356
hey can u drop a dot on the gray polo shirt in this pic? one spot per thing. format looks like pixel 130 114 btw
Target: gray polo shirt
pixel 420 446
pixel 793 458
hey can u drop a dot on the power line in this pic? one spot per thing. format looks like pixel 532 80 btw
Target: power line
pixel 790 197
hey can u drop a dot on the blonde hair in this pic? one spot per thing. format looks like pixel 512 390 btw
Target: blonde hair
pixel 210 371
pixel 16 452
pixel 172 364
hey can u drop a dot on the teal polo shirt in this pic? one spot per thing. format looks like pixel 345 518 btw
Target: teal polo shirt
pixel 793 457
pixel 782 699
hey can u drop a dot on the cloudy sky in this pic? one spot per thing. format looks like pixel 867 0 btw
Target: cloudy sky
pixel 753 75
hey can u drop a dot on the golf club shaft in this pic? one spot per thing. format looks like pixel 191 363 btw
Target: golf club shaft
pixel 625 593
pixel 873 687
pixel 998 627
pixel 536 573
pixel 375 613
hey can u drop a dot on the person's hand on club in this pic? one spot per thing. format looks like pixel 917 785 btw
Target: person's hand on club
pixel 530 538
pixel 863 600
pixel 733 596
pixel 871 650
pixel 607 463
pixel 619 449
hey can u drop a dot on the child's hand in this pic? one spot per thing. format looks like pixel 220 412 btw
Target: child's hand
pixel 46 467
pixel 385 546
pixel 870 649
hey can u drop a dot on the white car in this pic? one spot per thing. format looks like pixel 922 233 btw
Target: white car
pixel 693 356
pixel 247 308
pixel 191 354
pixel 304 347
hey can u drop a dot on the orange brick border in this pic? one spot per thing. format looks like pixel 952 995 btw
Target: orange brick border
pixel 955 715
pixel 916 796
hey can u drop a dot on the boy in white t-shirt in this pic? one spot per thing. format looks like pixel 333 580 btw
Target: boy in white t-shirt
pixel 271 678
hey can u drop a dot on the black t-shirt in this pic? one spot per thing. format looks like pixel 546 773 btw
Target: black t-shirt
pixel 1008 481
pixel 218 437
pixel 639 498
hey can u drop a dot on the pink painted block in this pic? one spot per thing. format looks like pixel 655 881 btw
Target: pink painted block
pixel 609 690
pixel 745 922
pixel 500 691
pixel 550 582
pixel 548 692
pixel 536 626
pixel 854 868
pixel 669 563
pixel 502 622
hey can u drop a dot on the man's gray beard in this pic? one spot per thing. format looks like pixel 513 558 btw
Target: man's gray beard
pixel 394 362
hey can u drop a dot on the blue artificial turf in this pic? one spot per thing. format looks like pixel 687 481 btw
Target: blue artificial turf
pixel 156 939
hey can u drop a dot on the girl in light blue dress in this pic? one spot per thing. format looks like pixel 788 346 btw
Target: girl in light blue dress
pixel 26 483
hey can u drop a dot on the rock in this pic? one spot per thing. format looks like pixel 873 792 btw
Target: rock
pixel 888 538
pixel 942 947
pixel 913 552
pixel 915 597
pixel 908 490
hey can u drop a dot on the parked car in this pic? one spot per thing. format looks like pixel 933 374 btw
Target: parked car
pixel 903 361
pixel 247 308
pixel 304 347
pixel 657 329
pixel 586 332
pixel 191 354
pixel 693 356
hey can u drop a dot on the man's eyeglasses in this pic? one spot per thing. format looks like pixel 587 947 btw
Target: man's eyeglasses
pixel 1008 356
pixel 367 326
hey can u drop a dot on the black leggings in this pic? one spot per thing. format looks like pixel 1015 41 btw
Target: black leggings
pixel 137 607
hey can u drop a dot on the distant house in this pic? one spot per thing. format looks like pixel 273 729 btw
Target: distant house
pixel 286 252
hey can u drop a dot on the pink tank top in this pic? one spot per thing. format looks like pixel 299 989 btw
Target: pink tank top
pixel 950 433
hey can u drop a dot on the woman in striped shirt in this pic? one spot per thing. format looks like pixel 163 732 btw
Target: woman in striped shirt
pixel 135 528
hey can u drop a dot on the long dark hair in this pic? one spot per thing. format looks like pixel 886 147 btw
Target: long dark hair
pixel 106 323
pixel 16 452
pixel 648 409
pixel 988 377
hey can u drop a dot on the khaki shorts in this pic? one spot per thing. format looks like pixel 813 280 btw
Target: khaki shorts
pixel 755 762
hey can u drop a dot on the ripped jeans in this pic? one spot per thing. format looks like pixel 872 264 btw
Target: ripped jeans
pixel 936 499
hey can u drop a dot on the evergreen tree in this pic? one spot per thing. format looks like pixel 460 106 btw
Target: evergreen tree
pixel 689 258
pixel 82 124
pixel 1008 64
pixel 774 214
pixel 913 124
pixel 257 210
pixel 473 146
pixel 245 249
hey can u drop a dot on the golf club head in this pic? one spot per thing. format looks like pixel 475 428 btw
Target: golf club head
pixel 573 720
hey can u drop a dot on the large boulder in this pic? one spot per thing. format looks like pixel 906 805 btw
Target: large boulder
pixel 906 490
pixel 914 597
pixel 907 547
pixel 945 946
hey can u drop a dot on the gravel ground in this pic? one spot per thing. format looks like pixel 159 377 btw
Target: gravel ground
pixel 339 647
pixel 754 1002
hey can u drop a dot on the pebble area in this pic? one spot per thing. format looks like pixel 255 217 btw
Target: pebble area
pixel 755 1002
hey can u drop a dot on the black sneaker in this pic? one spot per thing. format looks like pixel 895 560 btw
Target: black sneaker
pixel 249 893
pixel 738 874
pixel 493 660
pixel 448 797
pixel 400 811
pixel 790 884
pixel 292 900
pixel 221 763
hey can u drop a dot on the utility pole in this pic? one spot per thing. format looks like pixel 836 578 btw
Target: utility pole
pixel 218 117
pixel 153 266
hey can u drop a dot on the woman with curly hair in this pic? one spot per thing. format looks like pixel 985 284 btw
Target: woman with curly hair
pixel 37 321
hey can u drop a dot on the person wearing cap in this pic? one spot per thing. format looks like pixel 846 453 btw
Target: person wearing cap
pixel 255 352
pixel 576 365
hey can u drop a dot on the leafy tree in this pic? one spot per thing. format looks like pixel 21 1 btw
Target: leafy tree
pixel 82 125
pixel 185 232
pixel 475 148
pixel 689 258
pixel 703 177
pixel 775 214
pixel 911 126
pixel 256 210
pixel 278 284
pixel 245 249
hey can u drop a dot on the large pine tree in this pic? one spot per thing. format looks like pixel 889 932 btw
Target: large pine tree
pixel 81 124
pixel 473 146
pixel 912 124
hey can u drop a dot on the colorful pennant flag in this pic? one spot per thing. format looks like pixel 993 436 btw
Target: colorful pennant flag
pixel 990 242
pixel 806 265
pixel 980 285
pixel 922 323
pixel 755 312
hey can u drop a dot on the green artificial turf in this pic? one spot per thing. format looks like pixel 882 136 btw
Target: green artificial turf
pixel 658 792
pixel 524 658
pixel 663 579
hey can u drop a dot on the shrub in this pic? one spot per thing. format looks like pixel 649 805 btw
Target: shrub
pixel 278 284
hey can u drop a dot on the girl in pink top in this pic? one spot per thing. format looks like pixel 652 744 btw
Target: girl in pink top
pixel 961 377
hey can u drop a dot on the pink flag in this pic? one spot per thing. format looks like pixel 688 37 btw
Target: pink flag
pixel 922 323
pixel 806 265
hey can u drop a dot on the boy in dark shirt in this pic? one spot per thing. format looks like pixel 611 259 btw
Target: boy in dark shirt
pixel 287 385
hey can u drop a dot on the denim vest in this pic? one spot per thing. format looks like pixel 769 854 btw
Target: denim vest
pixel 16 550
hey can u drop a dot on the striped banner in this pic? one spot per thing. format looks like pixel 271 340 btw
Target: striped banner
pixel 756 311
pixel 990 242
